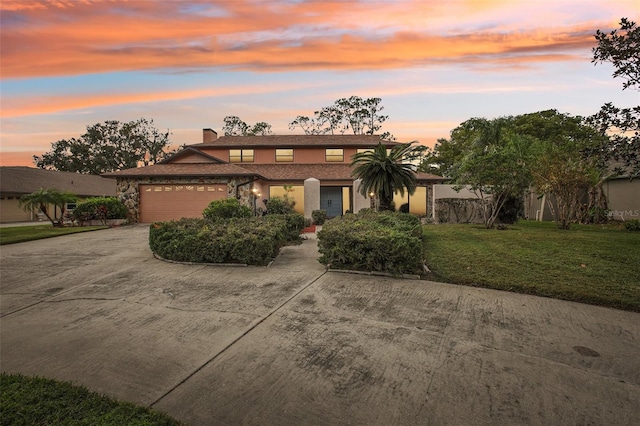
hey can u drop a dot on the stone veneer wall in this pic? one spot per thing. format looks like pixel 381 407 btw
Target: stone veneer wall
pixel 127 190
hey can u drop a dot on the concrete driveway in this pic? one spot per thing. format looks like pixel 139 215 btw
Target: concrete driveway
pixel 293 344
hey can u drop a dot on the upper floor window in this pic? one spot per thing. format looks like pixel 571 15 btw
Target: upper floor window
pixel 362 150
pixel 241 155
pixel 284 155
pixel 334 155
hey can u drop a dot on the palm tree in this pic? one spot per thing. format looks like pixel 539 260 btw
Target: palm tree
pixel 384 173
pixel 43 198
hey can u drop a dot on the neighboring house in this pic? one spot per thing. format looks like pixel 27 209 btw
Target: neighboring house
pixel 312 169
pixel 623 198
pixel 18 181
pixel 623 201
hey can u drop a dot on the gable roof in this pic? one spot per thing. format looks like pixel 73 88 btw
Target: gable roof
pixel 25 180
pixel 183 169
pixel 363 141
pixel 187 151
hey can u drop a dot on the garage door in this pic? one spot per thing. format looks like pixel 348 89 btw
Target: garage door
pixel 172 202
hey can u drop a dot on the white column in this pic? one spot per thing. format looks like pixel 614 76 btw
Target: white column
pixel 359 201
pixel 311 196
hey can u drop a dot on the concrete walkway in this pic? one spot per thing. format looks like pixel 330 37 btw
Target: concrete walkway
pixel 294 344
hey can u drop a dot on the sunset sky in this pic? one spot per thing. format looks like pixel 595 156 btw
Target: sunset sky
pixel 66 64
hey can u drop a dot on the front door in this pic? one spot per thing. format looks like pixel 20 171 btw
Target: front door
pixel 331 200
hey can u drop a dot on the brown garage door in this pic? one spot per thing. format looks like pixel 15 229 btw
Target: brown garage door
pixel 172 202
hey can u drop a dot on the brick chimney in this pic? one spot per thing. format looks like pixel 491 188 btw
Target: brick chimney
pixel 209 135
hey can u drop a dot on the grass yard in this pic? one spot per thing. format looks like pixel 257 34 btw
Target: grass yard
pixel 21 234
pixel 593 264
pixel 37 401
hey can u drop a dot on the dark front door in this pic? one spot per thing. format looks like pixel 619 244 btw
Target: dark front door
pixel 331 200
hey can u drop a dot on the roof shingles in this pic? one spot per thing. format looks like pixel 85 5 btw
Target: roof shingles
pixel 25 180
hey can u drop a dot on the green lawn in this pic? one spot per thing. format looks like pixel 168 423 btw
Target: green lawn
pixel 589 263
pixel 20 234
pixel 37 401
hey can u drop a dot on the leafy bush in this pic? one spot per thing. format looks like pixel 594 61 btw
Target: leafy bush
pixel 319 217
pixel 280 205
pixel 226 209
pixel 253 240
pixel 632 225
pixel 291 224
pixel 386 241
pixel 100 208
pixel 512 210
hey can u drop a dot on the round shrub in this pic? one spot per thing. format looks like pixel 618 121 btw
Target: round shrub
pixel 226 209
pixel 280 205
pixel 319 217
pixel 369 241
pixel 100 208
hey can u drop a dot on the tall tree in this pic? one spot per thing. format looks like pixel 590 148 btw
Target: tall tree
pixel 107 147
pixel 621 48
pixel 347 115
pixel 235 126
pixel 567 163
pixel 447 152
pixel 42 199
pixel 384 173
pixel 495 164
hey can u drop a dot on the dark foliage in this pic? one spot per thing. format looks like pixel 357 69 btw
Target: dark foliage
pixel 253 241
pixel 100 208
pixel 226 209
pixel 369 241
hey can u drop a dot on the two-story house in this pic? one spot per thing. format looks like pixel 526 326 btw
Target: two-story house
pixel 312 169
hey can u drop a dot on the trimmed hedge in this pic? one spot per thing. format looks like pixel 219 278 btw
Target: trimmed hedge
pixel 252 241
pixel 100 208
pixel 370 241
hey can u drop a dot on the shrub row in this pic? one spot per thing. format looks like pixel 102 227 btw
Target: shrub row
pixel 100 208
pixel 370 241
pixel 253 241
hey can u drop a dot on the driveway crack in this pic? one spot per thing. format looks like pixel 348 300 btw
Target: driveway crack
pixel 237 339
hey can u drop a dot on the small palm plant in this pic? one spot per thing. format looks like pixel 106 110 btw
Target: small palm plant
pixel 43 199
pixel 384 173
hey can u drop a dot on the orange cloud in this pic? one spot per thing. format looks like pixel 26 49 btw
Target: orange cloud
pixel 72 38
pixel 20 158
pixel 33 105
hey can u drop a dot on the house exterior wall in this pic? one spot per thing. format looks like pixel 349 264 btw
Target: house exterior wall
pixel 10 210
pixel 623 197
pixel 267 155
pixel 441 191
pixel 128 190
pixel 191 158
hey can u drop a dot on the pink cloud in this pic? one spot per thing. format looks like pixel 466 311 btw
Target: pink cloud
pixel 72 38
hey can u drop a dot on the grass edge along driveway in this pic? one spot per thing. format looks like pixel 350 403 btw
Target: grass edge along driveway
pixel 20 234
pixel 41 401
pixel 592 264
